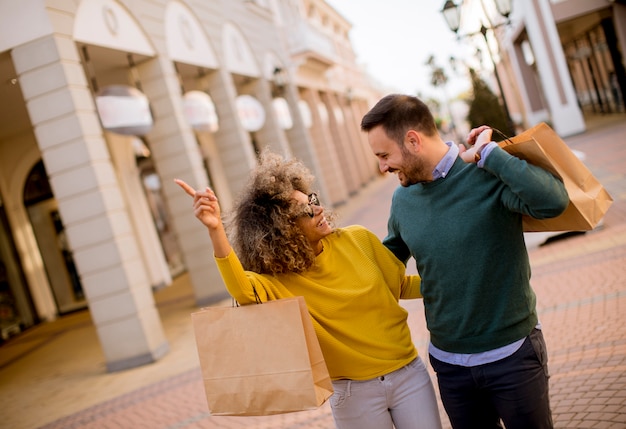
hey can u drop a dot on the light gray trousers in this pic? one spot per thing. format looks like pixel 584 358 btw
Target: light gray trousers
pixel 404 399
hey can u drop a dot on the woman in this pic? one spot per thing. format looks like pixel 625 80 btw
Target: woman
pixel 286 245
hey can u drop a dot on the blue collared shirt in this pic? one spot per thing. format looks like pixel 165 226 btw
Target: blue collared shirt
pixel 444 166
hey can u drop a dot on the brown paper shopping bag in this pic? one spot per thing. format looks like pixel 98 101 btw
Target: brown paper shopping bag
pixel 260 359
pixel 589 201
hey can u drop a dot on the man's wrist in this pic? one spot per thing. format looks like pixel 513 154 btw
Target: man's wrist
pixel 478 154
pixel 483 153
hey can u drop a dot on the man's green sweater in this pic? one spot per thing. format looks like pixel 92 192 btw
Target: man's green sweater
pixel 465 233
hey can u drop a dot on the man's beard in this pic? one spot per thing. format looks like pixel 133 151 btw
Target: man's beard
pixel 414 169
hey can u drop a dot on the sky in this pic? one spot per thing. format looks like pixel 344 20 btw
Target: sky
pixel 394 39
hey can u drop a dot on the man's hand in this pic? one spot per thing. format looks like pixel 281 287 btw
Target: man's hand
pixel 477 138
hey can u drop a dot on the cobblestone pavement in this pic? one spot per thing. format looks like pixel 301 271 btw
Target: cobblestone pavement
pixel 53 376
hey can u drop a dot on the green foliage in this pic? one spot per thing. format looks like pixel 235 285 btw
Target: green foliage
pixel 485 107
pixel 438 122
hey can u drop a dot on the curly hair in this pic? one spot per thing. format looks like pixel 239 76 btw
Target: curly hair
pixel 262 225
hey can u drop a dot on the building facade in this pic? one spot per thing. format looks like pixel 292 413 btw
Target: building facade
pixel 559 60
pixel 105 102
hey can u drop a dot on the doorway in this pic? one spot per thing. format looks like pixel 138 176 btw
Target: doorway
pixel 52 242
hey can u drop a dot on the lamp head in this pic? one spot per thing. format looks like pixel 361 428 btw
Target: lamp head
pixel 452 14
pixel 280 78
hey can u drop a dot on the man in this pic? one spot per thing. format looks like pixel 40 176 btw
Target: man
pixel 459 214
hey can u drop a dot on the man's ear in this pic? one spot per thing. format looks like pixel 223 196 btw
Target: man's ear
pixel 412 141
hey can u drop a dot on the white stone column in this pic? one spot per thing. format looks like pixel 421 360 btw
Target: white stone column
pixel 341 142
pixel 558 89
pixel 271 135
pixel 363 156
pixel 81 174
pixel 176 154
pixel 303 146
pixel 530 93
pixel 330 162
pixel 129 178
pixel 232 140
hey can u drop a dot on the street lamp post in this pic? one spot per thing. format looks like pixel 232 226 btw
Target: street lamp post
pixel 452 15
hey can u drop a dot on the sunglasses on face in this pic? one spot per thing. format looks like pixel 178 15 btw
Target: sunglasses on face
pixel 313 201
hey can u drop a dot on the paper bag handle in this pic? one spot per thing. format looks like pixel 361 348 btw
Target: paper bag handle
pixel 257 298
pixel 502 135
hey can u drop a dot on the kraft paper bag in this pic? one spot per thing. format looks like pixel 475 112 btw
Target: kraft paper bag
pixel 260 359
pixel 589 201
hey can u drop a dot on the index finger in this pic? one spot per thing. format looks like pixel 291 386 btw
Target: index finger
pixel 188 189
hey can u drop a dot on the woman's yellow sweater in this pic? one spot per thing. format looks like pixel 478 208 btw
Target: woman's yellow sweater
pixel 352 295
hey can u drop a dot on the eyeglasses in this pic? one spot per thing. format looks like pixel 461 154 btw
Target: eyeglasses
pixel 313 201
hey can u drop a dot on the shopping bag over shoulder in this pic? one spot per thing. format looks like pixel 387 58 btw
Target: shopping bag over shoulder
pixel 589 200
pixel 260 359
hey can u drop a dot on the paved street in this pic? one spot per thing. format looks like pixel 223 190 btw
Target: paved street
pixel 53 376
